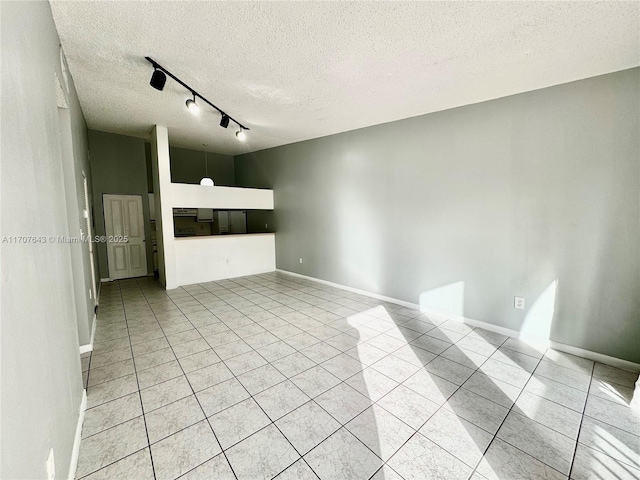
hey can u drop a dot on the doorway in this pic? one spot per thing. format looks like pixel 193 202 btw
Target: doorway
pixel 124 227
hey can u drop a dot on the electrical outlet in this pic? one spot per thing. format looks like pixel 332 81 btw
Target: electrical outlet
pixel 301 260
pixel 90 294
pixel 518 302
pixel 265 226
pixel 51 466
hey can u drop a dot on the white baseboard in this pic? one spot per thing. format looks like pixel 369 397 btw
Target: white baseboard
pixel 353 290
pixel 105 280
pixel 76 442
pixel 596 357
pixel 580 352
pixel 98 293
pixel 89 347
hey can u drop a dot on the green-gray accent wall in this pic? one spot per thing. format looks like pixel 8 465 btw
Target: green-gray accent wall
pixel 119 167
pixel 490 201
pixel 188 166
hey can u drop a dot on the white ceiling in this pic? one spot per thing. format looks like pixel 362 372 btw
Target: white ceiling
pixel 295 71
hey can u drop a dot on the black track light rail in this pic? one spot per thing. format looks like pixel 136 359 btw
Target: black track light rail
pixel 195 94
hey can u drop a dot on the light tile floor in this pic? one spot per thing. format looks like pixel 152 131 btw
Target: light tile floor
pixel 273 376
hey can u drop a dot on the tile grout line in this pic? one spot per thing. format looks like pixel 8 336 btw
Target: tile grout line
pixel 89 368
pixel 586 400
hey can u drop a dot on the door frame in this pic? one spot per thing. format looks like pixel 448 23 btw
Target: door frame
pixel 88 216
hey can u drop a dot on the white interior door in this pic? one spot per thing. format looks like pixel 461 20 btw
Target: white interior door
pixel 124 224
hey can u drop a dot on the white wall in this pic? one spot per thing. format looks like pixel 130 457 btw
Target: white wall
pixel 161 171
pixel 190 196
pixel 206 259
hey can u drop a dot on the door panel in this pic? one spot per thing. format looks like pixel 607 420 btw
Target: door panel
pixel 120 259
pixel 136 254
pixel 117 222
pixel 135 233
pixel 135 229
pixel 124 218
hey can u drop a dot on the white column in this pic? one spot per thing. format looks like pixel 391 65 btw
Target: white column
pixel 161 168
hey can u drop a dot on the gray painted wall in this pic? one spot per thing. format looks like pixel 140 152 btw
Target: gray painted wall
pixel 118 166
pixel 261 221
pixel 75 158
pixel 41 387
pixel 506 196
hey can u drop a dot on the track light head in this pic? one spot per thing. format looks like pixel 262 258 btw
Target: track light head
pixel 241 135
pixel 158 79
pixel 224 121
pixel 192 106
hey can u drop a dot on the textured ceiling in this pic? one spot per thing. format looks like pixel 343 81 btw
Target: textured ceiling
pixel 298 70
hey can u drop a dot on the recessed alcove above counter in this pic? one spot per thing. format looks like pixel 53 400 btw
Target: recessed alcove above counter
pixel 191 222
pixel 252 207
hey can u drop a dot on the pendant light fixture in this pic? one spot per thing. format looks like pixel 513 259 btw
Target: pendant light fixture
pixel 206 181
